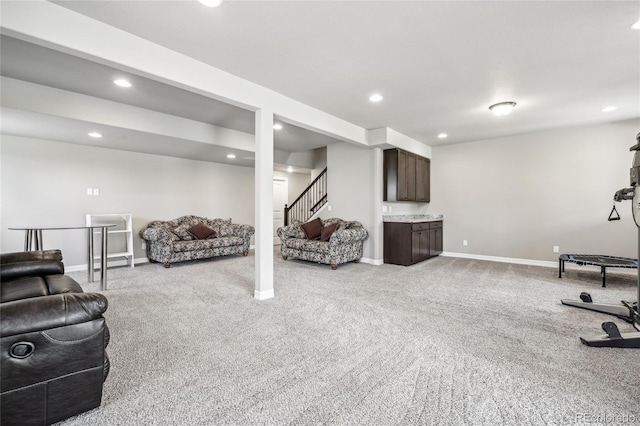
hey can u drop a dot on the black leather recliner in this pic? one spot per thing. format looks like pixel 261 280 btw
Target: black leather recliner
pixel 52 341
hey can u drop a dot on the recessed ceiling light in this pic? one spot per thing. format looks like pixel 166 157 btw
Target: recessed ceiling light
pixel 502 108
pixel 95 135
pixel 277 126
pixel 211 3
pixel 122 82
pixel 609 108
pixel 232 156
pixel 376 97
pixel 442 135
pixel 636 26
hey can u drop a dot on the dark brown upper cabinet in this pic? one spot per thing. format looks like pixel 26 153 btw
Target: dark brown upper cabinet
pixel 406 176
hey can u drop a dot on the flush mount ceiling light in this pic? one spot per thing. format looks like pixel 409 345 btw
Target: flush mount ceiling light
pixel 95 135
pixel 376 97
pixel 231 156
pixel 502 108
pixel 277 126
pixel 290 169
pixel 610 108
pixel 211 3
pixel 122 82
pixel 442 135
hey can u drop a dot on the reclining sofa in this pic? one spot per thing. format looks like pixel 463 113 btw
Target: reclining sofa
pixel 331 241
pixel 52 341
pixel 194 237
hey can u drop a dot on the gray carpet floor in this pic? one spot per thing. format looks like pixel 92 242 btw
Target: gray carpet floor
pixel 445 342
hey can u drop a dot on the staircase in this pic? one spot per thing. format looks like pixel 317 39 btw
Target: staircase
pixel 309 202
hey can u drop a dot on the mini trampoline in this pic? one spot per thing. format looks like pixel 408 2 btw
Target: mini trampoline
pixel 602 261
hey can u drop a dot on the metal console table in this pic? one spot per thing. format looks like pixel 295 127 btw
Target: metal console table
pixel 33 241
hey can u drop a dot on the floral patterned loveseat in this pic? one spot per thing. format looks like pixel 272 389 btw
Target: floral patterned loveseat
pixel 343 245
pixel 171 241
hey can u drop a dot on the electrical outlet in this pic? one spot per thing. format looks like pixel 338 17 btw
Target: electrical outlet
pixel 464 243
pixel 96 191
pixel 556 249
pixel 144 245
pixel 329 207
pixel 384 209
pixel 89 191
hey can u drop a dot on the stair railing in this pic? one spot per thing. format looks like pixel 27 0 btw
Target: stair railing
pixel 309 202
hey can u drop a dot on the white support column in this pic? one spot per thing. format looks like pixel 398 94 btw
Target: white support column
pixel 264 205
pixel 376 238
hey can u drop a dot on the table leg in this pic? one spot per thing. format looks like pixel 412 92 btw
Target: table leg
pixel 559 268
pixel 90 274
pixel 604 276
pixel 103 261
pixel 32 239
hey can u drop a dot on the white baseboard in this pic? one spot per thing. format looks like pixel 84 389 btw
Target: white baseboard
pixel 515 260
pixel 376 262
pixel 263 295
pixel 120 262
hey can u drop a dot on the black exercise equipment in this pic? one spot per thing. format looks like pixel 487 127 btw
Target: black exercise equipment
pixel 614 211
pixel 628 311
pixel 600 260
pixel 622 194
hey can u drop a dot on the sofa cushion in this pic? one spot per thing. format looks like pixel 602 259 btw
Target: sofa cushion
pixel 327 231
pixel 202 232
pixel 23 288
pixel 313 229
pixel 308 245
pixel 225 229
pixel 27 287
pixel 9 271
pixel 294 230
pixel 182 232
pixel 210 243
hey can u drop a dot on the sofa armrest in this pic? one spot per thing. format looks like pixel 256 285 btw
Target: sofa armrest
pixel 244 231
pixel 291 231
pixel 42 313
pixel 158 234
pixel 342 235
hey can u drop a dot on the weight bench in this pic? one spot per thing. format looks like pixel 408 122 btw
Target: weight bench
pixel 602 261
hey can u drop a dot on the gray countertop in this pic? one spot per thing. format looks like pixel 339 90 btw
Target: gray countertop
pixel 412 218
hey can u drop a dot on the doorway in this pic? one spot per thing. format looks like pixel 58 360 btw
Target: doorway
pixel 280 196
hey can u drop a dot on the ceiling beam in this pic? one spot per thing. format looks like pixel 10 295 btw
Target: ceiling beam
pixel 54 26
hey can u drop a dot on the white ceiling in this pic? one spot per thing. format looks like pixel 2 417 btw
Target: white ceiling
pixel 32 63
pixel 439 65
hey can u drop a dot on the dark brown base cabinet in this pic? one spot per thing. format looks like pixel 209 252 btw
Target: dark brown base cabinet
pixel 409 243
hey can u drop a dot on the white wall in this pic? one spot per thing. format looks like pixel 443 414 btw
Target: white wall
pixel 351 172
pixel 511 197
pixel 45 183
pixel 296 183
pixel 519 196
